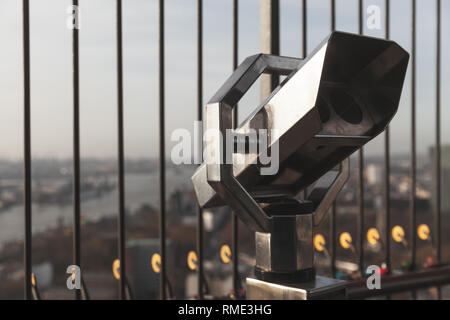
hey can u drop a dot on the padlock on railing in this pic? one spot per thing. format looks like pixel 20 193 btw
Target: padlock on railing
pixel 116 273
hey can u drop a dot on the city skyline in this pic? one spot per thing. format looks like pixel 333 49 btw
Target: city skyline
pixel 51 94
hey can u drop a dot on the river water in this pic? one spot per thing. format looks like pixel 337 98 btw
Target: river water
pixel 139 189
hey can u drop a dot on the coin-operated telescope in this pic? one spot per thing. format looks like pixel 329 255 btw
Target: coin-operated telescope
pixel 330 104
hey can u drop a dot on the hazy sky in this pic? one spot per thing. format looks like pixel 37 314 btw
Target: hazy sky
pixel 51 87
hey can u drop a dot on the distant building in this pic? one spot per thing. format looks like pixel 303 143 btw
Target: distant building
pixel 445 176
pixel 374 174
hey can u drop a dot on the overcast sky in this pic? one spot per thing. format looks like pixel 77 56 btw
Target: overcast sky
pixel 51 87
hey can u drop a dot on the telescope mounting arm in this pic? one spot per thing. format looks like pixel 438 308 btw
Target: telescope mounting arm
pixel 219 171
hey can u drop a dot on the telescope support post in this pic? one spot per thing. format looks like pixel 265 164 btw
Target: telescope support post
pixel 285 257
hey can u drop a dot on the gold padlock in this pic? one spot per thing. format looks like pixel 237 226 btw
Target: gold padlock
pixel 345 240
pixel 156 263
pixel 319 242
pixel 192 260
pixel 373 236
pixel 225 254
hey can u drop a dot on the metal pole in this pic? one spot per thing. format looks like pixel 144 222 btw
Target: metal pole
pixel 121 168
pixel 361 224
pixel 76 150
pixel 333 207
pixel 304 29
pixel 413 135
pixel 387 186
pixel 27 149
pixel 333 15
pixel 437 156
pixel 270 40
pixel 199 118
pixel 304 51
pixel 413 141
pixel 162 155
pixel 235 221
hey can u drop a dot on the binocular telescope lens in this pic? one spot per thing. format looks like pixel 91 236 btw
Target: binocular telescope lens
pixel 346 107
pixel 343 104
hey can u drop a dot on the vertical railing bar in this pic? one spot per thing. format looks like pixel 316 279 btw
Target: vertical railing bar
pixel 333 207
pixel 413 133
pixel 235 221
pixel 162 155
pixel 121 169
pixel 275 37
pixel 235 254
pixel 304 29
pixel 199 118
pixel 361 224
pixel 438 139
pixel 387 168
pixel 387 171
pixel 270 41
pixel 76 148
pixel 304 53
pixel 333 15
pixel 27 149
pixel 413 139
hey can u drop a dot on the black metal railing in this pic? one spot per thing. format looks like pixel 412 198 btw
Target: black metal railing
pixel 27 147
pixel 76 152
pixel 162 154
pixel 410 282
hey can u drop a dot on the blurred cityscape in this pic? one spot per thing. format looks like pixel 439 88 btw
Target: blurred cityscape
pixel 52 225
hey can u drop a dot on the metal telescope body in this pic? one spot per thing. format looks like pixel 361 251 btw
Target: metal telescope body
pixel 332 103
